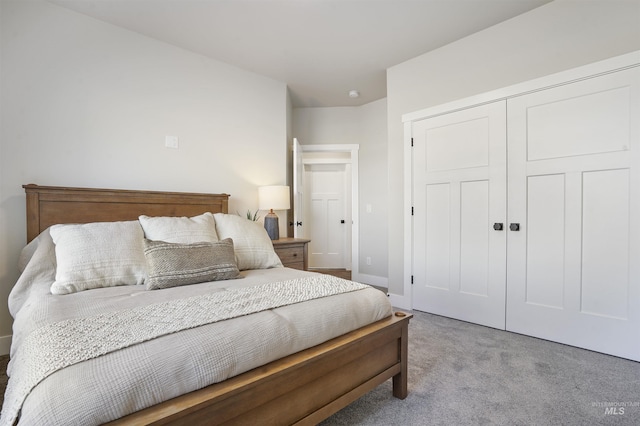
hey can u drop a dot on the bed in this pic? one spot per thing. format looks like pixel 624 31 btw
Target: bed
pixel 302 382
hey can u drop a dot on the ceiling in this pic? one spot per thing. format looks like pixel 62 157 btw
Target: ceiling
pixel 321 49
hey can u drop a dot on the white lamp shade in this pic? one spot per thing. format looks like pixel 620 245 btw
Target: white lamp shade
pixel 274 197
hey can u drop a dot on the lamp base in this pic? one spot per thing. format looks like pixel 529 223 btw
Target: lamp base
pixel 271 225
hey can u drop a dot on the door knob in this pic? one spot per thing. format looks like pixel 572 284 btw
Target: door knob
pixel 498 226
pixel 514 226
pixel 342 221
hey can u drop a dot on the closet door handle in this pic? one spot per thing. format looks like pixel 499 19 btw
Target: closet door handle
pixel 514 226
pixel 498 226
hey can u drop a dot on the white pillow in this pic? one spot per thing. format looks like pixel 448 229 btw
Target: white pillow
pixel 183 230
pixel 253 247
pixel 100 254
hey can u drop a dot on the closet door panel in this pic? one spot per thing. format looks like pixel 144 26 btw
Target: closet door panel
pixel 605 243
pixel 579 123
pixel 459 191
pixel 460 146
pixel 573 186
pixel 474 238
pixel 438 237
pixel 545 246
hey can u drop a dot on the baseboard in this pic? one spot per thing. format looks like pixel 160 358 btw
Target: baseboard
pixel 5 345
pixel 400 301
pixel 371 280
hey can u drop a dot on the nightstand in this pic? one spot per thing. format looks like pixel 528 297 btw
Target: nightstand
pixel 292 252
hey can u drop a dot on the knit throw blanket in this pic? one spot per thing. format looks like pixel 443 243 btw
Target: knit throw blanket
pixel 61 344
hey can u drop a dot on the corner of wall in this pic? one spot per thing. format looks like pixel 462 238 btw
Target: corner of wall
pixel 400 301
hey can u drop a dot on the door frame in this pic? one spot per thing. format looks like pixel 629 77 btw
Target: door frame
pixel 352 150
pixel 607 66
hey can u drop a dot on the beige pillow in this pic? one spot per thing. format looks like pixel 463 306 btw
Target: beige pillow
pixel 99 254
pixel 174 264
pixel 184 230
pixel 254 249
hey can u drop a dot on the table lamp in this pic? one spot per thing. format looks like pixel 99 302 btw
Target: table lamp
pixel 274 197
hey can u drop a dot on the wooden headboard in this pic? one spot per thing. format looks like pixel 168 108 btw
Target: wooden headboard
pixel 50 205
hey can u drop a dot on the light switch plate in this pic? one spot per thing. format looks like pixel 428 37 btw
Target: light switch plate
pixel 171 142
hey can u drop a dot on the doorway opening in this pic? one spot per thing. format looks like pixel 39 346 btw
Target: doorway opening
pixel 326 205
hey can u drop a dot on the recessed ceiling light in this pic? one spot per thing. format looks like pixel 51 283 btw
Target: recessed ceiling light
pixel 354 93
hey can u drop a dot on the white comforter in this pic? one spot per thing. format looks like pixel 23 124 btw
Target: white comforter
pixel 136 377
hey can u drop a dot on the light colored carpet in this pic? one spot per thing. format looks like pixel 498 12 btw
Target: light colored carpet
pixel 465 374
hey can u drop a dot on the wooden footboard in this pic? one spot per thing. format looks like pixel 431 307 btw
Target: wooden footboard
pixel 303 388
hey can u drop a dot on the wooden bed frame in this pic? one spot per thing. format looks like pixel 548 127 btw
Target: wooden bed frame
pixel 303 388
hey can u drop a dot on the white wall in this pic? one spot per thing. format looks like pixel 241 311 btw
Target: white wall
pixel 366 126
pixel 373 189
pixel 85 103
pixel 557 36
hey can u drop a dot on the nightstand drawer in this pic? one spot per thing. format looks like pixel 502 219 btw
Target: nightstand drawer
pixel 291 255
pixel 294 265
pixel 292 252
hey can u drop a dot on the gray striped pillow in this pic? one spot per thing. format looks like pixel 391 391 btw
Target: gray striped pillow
pixel 175 264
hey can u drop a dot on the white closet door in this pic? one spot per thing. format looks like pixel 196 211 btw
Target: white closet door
pixel 459 193
pixel 573 267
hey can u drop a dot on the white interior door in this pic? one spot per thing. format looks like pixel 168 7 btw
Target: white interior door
pixel 459 192
pixel 326 217
pixel 573 267
pixel 298 190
